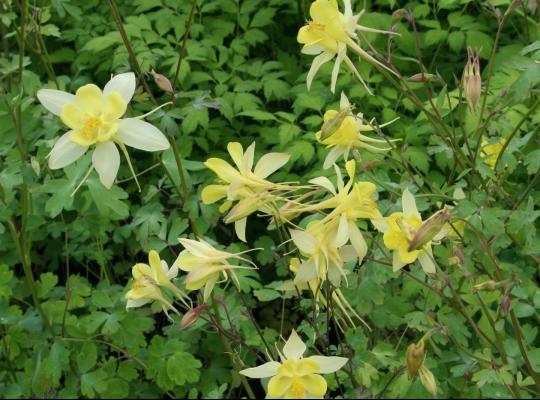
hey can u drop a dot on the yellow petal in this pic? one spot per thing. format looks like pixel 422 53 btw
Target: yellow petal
pixel 223 169
pixel 278 385
pixel 212 193
pixel 72 116
pixel 405 256
pixel 307 366
pixel 314 384
pixel 115 107
pixel 237 153
pixel 140 270
pixel 90 99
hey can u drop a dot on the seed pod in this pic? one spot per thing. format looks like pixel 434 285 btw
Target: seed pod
pixel 428 380
pixel 472 82
pixel 415 358
pixel 429 229
pixel 421 77
pixel 162 82
pixel 333 124
pixel 192 316
pixel 487 286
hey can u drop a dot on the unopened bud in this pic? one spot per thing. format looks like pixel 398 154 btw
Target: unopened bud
pixel 421 77
pixel 192 316
pixel 472 81
pixel 428 380
pixel 487 286
pixel 429 229
pixel 505 303
pixel 415 358
pixel 333 124
pixel 35 165
pixel 162 82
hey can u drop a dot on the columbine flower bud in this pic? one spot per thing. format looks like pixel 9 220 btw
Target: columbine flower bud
pixel 333 124
pixel 428 380
pixel 487 286
pixel 472 82
pixel 35 165
pixel 421 77
pixel 415 358
pixel 162 82
pixel 429 229
pixel 192 316
pixel 505 303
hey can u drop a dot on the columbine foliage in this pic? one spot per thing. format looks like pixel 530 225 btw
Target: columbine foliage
pixel 386 159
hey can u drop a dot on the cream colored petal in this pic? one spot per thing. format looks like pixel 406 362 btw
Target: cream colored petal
pixel 106 161
pixel 54 100
pixel 141 135
pixel 209 287
pixel 307 271
pixel 199 248
pixel 318 61
pixel 396 263
pixel 427 262
pixel 342 234
pixel 335 72
pixel 357 240
pixel 305 242
pixel 329 365
pixel 344 101
pixel 65 152
pixel 123 84
pixel 294 347
pixel 240 229
pixel 262 371
pixel 332 156
pixel 247 159
pixel 269 163
pixel 408 203
pixel 325 183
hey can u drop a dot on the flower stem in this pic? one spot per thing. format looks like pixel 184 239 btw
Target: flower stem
pixel 229 349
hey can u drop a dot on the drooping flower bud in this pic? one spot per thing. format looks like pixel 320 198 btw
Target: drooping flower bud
pixel 192 316
pixel 472 82
pixel 162 82
pixel 505 303
pixel 428 380
pixel 415 358
pixel 429 229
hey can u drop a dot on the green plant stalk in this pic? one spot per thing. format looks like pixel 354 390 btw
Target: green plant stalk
pixel 229 349
pixel 515 131
pixel 133 59
pixel 183 48
pixel 185 191
pixel 488 83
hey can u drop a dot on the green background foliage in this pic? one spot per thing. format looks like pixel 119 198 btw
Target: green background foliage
pixel 243 79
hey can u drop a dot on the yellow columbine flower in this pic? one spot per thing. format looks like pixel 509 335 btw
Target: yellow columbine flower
pixel 400 230
pixel 296 377
pixel 323 247
pixel 328 35
pixel 350 202
pixel 243 183
pixel 490 152
pixel 95 118
pixel 205 264
pixel 148 281
pixel 347 133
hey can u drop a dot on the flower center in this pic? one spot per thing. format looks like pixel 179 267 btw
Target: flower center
pixel 297 389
